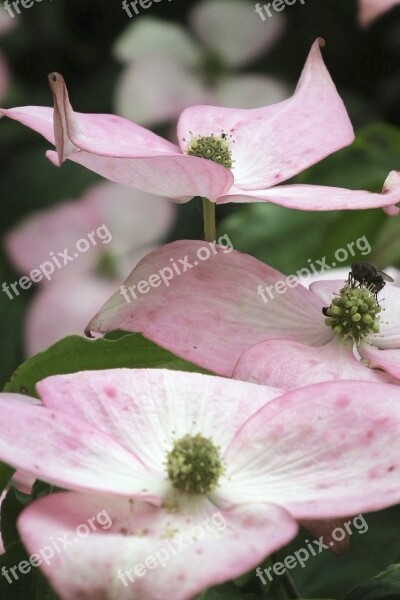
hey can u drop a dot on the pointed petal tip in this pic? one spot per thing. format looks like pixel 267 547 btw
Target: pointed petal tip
pixel 391 185
pixel 392 181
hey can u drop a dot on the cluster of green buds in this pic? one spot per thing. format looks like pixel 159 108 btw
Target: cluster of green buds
pixel 194 465
pixel 212 147
pixel 354 313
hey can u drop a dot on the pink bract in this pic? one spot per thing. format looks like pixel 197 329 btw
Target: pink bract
pixel 268 146
pixel 214 315
pixel 320 452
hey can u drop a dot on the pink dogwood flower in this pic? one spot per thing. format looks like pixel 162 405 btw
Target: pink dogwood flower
pixel 167 70
pixel 236 316
pixel 225 154
pixel 370 10
pixel 113 227
pixel 214 470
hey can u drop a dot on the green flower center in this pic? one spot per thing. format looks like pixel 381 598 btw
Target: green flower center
pixel 194 465
pixel 213 148
pixel 354 313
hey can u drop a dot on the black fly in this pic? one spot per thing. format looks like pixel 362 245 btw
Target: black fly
pixel 368 276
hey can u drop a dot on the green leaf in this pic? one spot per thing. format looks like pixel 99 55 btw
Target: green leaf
pixel 385 586
pixel 43 591
pixel 12 319
pixel 11 508
pixel 227 591
pixel 363 165
pixel 333 575
pixel 14 585
pixel 75 353
pixel 387 247
pixel 6 472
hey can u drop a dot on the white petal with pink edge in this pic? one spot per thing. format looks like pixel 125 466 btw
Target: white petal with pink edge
pixel 321 198
pixel 377 358
pixel 148 409
pixel 273 143
pixel 295 365
pixel 60 449
pixel 148 553
pixel 326 450
pixel 226 314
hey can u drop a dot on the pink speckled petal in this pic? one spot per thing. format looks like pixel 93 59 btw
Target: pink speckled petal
pixel 211 313
pixel 326 450
pixel 317 197
pixel 271 144
pixel 147 409
pixel 147 553
pixel 61 449
pixel 107 135
pixel 372 9
pixel 38 118
pixel 177 177
pixel 388 360
pixel 126 153
pixel 292 365
pixel 121 150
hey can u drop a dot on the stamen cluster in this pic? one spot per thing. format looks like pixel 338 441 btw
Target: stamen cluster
pixel 194 465
pixel 354 313
pixel 213 148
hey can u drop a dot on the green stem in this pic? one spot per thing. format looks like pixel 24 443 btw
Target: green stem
pixel 210 230
pixel 286 581
pixel 290 587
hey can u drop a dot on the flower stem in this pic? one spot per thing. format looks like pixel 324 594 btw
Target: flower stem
pixel 287 583
pixel 290 587
pixel 210 230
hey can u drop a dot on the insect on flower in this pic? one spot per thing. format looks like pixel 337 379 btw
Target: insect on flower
pixel 369 276
pixel 365 275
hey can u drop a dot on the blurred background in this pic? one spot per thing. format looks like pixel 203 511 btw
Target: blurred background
pixel 148 68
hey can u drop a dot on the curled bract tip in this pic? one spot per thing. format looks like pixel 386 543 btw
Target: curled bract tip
pixel 54 77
